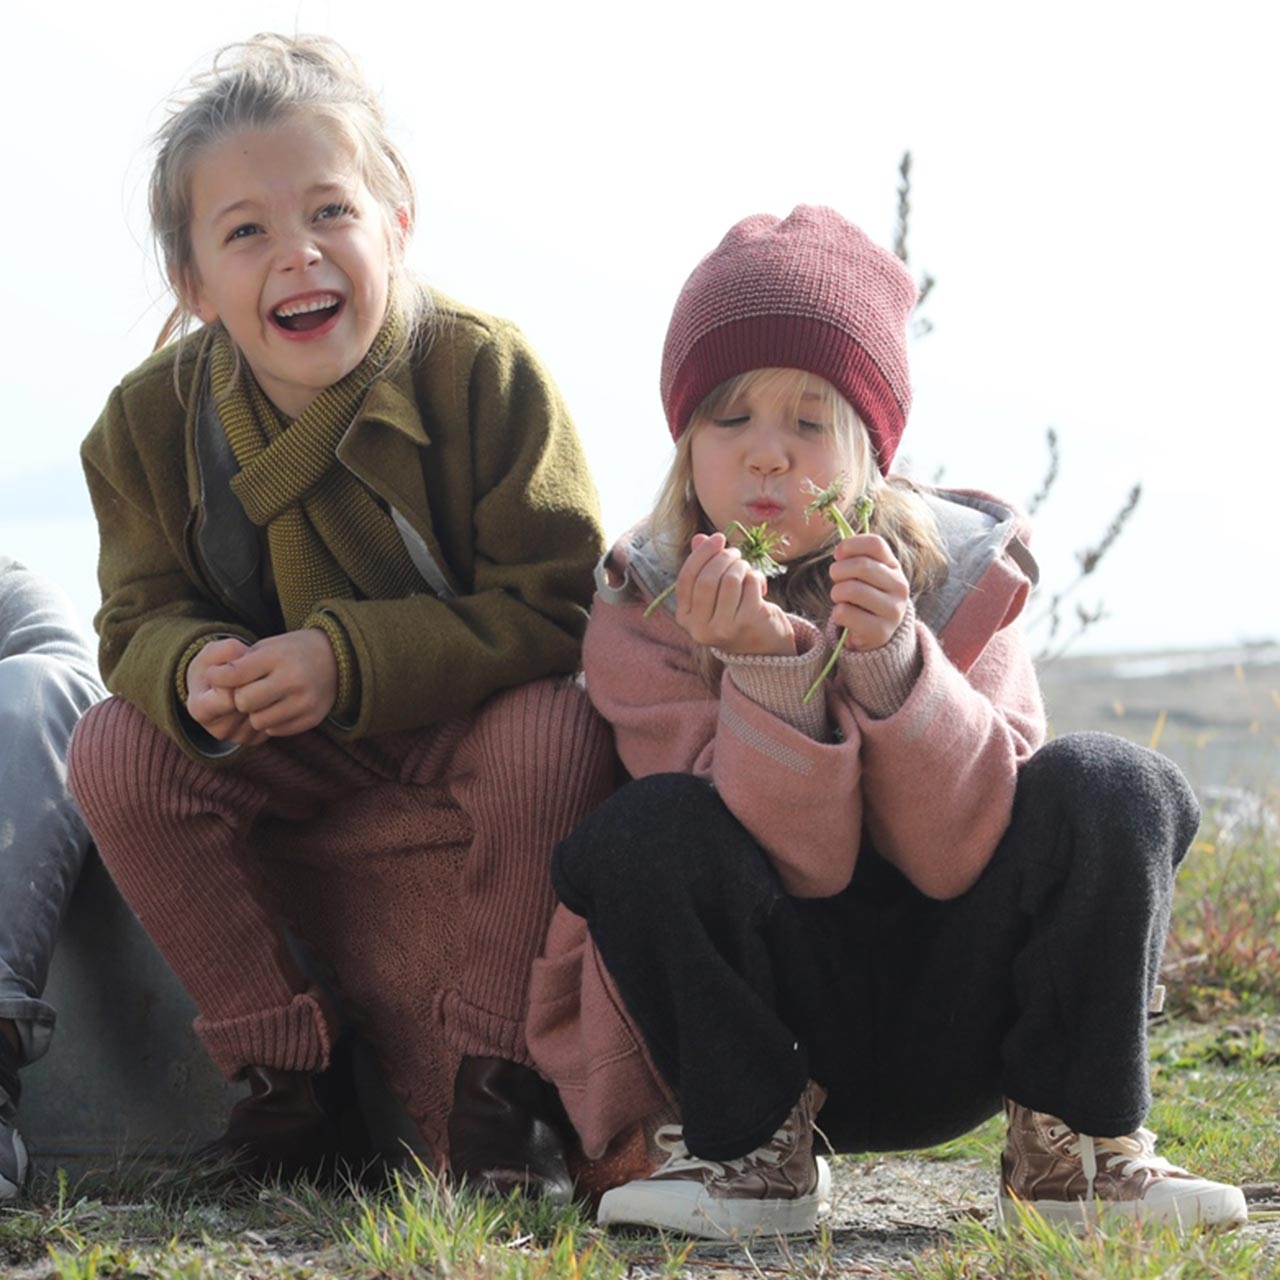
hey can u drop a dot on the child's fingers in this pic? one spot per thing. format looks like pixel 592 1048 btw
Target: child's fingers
pixel 251 665
pixel 233 728
pixel 691 579
pixel 864 596
pixel 715 592
pixel 727 604
pixel 258 695
pixel 875 573
pixel 284 724
pixel 870 545
pixel 295 713
pixel 207 705
pixel 211 664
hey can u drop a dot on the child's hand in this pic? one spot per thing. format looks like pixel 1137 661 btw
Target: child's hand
pixel 720 601
pixel 869 590
pixel 284 684
pixel 213 707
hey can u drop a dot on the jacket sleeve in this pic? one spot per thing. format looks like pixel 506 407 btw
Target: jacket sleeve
pixel 801 798
pixel 939 774
pixel 152 609
pixel 535 534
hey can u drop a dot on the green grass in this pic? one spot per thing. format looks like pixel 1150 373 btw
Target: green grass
pixel 1216 1080
pixel 1223 955
pixel 1037 1251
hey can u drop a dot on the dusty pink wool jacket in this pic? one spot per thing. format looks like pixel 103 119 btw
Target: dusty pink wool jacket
pixel 916 746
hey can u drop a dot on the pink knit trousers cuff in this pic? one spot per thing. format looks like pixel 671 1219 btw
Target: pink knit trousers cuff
pixel 294 1037
pixel 481 1033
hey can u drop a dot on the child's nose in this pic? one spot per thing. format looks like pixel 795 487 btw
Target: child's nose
pixel 299 253
pixel 767 454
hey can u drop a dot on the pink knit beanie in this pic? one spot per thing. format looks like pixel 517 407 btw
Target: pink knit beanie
pixel 810 292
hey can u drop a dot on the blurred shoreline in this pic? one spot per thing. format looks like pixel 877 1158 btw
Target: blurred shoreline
pixel 1215 712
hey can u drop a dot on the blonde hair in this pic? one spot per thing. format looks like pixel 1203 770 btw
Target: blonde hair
pixel 267 81
pixel 900 515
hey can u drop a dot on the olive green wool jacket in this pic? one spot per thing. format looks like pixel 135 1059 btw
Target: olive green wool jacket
pixel 473 451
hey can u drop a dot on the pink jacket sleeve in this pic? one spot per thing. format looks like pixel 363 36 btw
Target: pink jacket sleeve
pixel 939 774
pixel 799 798
pixel 934 782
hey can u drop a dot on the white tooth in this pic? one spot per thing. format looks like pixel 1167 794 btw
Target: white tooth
pixel 301 308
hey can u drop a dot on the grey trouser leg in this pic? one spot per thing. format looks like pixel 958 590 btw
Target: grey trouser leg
pixel 42 839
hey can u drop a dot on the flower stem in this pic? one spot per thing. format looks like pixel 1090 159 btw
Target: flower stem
pixel 658 599
pixel 846 531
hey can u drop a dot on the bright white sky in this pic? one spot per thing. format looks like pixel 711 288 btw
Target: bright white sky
pixel 1095 190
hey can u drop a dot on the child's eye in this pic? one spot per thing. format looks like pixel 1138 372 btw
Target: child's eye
pixel 243 231
pixel 335 210
pixel 808 426
pixel 731 422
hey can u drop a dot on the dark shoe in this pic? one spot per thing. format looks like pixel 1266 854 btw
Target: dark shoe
pixel 13 1152
pixel 293 1124
pixel 508 1131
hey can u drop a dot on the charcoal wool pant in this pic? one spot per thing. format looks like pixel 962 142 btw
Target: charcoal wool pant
pixel 917 1015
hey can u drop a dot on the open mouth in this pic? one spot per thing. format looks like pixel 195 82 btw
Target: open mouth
pixel 305 314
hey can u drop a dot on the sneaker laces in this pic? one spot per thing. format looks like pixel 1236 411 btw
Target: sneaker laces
pixel 670 1138
pixel 1130 1152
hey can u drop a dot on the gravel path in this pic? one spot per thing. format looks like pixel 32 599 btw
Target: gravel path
pixel 886 1211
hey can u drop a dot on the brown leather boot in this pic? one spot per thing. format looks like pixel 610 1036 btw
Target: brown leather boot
pixel 293 1124
pixel 508 1131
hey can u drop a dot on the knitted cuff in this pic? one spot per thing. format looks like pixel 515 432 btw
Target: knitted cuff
pixel 346 705
pixel 778 683
pixel 881 680
pixel 296 1037
pixel 185 661
pixel 476 1032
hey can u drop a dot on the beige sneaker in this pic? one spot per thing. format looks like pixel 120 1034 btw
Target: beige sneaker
pixel 780 1189
pixel 1071 1178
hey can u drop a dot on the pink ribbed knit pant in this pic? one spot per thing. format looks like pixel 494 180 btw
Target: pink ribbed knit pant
pixel 414 864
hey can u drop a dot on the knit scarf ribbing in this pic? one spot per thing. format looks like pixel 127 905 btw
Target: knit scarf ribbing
pixel 327 535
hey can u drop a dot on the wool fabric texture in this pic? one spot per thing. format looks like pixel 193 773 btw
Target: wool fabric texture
pixel 810 292
pixel 414 865
pixel 329 538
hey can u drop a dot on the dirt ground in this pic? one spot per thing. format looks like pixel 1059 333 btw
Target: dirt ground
pixel 885 1211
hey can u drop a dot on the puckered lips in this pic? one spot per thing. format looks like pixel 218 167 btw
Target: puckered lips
pixel 307 315
pixel 763 508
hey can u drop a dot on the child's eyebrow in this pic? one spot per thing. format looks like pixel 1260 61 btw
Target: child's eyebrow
pixel 237 206
pixel 317 189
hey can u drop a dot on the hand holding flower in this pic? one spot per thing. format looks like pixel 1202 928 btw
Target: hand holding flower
pixel 869 591
pixel 720 596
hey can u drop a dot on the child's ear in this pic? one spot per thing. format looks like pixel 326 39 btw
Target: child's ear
pixel 403 228
pixel 186 284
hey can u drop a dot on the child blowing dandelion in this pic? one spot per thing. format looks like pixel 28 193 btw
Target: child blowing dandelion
pixel 888 902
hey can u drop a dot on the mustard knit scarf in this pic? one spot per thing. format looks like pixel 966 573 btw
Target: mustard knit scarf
pixel 328 537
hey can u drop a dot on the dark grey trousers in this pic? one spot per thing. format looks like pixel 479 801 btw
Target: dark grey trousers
pixel 917 1016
